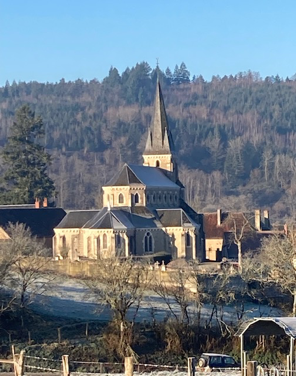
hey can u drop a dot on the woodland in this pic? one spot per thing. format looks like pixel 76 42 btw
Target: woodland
pixel 235 136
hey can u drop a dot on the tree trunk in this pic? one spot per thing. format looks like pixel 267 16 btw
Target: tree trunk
pixel 239 248
pixel 294 304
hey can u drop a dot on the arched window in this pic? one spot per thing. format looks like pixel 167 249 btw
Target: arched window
pixel 98 246
pixel 171 198
pixel 147 198
pixel 64 241
pixel 153 198
pixel 159 197
pixel 120 198
pixel 148 242
pixel 74 243
pixel 176 197
pixel 104 241
pixel 118 240
pixel 157 164
pixel 188 239
pixel 165 198
pixel 137 198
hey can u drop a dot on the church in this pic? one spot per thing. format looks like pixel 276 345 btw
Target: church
pixel 144 210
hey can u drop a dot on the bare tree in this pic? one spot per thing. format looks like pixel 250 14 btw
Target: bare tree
pixel 25 264
pixel 120 284
pixel 175 291
pixel 276 263
pixel 240 227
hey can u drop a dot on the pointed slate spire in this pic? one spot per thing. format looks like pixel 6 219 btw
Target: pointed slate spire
pixel 159 139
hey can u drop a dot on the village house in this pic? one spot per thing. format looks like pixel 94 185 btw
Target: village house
pixel 224 231
pixel 144 211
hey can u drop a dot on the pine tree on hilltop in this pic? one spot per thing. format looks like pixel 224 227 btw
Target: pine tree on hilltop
pixel 26 160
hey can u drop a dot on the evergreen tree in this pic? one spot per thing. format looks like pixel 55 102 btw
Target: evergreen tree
pixel 184 74
pixel 26 160
pixel 169 76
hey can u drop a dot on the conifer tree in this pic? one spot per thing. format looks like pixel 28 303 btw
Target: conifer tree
pixel 26 160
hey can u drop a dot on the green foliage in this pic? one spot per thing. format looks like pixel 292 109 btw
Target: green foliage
pixel 27 162
pixel 234 134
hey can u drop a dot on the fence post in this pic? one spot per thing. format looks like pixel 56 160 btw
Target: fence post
pixel 86 330
pixel 65 365
pixel 191 366
pixel 59 335
pixel 288 365
pixel 19 363
pixel 128 366
pixel 251 368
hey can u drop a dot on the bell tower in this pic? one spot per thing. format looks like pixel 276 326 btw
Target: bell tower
pixel 159 150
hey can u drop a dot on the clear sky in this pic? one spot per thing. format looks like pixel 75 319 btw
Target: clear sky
pixel 46 40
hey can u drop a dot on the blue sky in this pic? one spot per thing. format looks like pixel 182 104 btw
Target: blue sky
pixel 46 40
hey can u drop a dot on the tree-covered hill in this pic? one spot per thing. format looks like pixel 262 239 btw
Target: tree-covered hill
pixel 235 136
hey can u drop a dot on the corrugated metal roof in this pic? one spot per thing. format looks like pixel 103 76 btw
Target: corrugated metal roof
pixel 269 326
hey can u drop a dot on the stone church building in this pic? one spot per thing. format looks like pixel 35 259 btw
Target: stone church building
pixel 144 211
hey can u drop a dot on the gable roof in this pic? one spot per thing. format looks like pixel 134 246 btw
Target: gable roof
pixel 145 175
pixel 77 218
pixel 41 221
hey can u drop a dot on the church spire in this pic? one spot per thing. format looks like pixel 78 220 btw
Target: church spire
pixel 159 139
pixel 160 146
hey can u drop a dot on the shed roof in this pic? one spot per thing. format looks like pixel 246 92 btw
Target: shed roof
pixel 269 326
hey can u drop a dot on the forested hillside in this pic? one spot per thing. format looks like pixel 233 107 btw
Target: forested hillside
pixel 235 136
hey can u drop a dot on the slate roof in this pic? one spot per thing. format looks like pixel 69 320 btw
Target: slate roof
pixel 116 218
pixel 113 218
pixel 159 140
pixel 148 176
pixel 41 221
pixel 175 218
pixel 76 218
pixel 124 177
pixel 189 211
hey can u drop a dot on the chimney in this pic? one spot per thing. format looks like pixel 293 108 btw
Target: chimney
pixel 266 219
pixel 45 202
pixel 219 217
pixel 37 203
pixel 257 220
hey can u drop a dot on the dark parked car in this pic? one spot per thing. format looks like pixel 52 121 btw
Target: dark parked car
pixel 209 361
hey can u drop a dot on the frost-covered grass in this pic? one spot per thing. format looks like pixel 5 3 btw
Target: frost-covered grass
pixel 71 299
